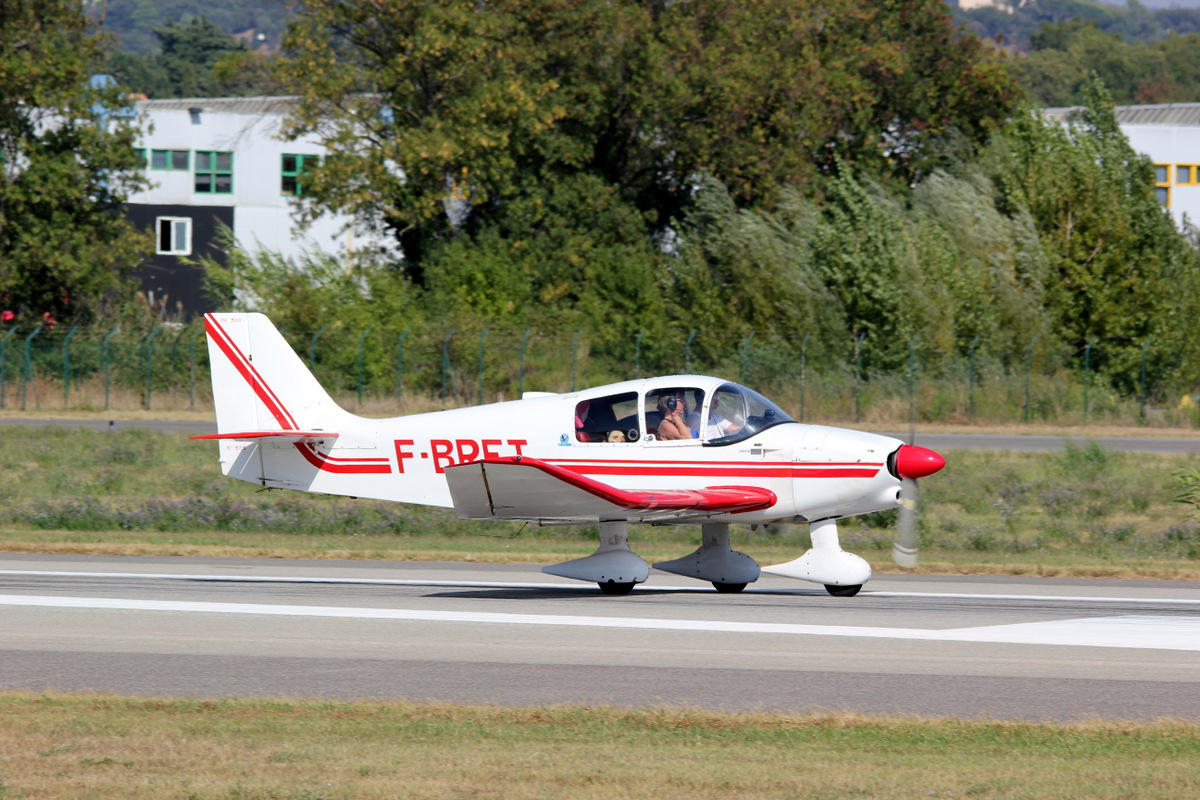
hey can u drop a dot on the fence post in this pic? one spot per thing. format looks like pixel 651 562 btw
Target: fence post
pixel 107 364
pixel 27 371
pixel 150 362
pixel 971 380
pixel 687 352
pixel 67 366
pixel 361 339
pixel 912 381
pixel 192 365
pixel 746 358
pixel 575 356
pixel 858 377
pixel 1145 347
pixel 1087 375
pixel 400 363
pixel 4 364
pixel 1028 370
pixel 446 361
pixel 312 350
pixel 803 371
pixel 637 355
pixel 482 336
pixel 521 382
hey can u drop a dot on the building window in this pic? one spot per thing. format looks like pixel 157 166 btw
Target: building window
pixel 169 159
pixel 174 236
pixel 1185 175
pixel 214 172
pixel 1162 184
pixel 290 184
pixel 140 153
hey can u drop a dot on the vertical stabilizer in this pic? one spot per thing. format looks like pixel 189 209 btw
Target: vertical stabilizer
pixel 259 383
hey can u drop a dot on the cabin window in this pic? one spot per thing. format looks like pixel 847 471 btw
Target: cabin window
pixel 611 419
pixel 680 407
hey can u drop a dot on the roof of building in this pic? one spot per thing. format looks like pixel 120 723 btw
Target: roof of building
pixel 1162 114
pixel 226 105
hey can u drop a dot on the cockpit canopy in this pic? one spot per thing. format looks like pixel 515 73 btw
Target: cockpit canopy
pixel 724 415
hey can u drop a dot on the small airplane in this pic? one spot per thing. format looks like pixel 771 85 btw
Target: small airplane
pixel 682 449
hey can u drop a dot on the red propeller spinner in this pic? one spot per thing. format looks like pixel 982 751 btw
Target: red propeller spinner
pixel 917 462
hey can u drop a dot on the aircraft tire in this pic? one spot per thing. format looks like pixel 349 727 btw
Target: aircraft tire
pixel 843 591
pixel 728 588
pixel 614 588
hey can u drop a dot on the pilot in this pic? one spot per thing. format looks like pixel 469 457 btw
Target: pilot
pixel 673 407
pixel 717 425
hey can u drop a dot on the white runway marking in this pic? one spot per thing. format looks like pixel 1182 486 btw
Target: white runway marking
pixel 579 586
pixel 1146 632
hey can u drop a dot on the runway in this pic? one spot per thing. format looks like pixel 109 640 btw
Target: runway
pixel 1005 648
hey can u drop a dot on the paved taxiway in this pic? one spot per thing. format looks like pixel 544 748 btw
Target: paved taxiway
pixel 930 645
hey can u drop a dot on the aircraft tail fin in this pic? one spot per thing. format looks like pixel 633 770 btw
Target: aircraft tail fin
pixel 260 384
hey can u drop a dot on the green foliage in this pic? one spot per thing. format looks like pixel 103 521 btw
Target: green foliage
pixel 1187 484
pixel 195 59
pixel 1119 270
pixel 499 101
pixel 318 293
pixel 135 22
pixel 1024 25
pixel 1056 72
pixel 66 165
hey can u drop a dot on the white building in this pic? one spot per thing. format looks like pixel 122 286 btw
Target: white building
pixel 222 161
pixel 1169 135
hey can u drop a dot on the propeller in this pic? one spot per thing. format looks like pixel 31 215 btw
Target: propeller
pixel 908 463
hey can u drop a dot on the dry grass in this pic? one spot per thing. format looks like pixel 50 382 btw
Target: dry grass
pixel 108 747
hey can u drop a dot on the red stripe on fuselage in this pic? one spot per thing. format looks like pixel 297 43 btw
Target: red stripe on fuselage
pixel 341 465
pixel 719 469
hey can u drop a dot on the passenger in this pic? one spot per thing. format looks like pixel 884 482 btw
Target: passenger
pixel 718 426
pixel 673 407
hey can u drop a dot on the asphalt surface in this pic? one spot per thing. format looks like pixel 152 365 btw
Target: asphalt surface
pixel 1004 648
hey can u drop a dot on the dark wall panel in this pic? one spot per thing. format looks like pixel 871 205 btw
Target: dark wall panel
pixel 169 283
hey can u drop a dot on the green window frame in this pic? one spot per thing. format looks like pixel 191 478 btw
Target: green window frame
pixel 292 167
pixel 214 172
pixel 174 160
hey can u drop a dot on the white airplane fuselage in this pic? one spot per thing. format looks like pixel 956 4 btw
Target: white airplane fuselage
pixel 814 471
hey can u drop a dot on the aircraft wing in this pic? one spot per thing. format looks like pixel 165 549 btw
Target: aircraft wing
pixel 285 436
pixel 524 488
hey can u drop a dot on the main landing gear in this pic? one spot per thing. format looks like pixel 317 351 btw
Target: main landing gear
pixel 614 567
pixel 726 569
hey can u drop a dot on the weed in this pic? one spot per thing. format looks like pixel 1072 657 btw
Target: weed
pixel 1088 461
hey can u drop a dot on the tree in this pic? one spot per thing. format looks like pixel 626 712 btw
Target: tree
pixel 195 59
pixel 66 151
pixel 494 102
pixel 1119 270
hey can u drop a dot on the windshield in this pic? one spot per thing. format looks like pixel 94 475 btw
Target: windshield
pixel 734 413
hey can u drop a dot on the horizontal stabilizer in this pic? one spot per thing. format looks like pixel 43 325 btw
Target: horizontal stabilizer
pixel 286 436
pixel 523 488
